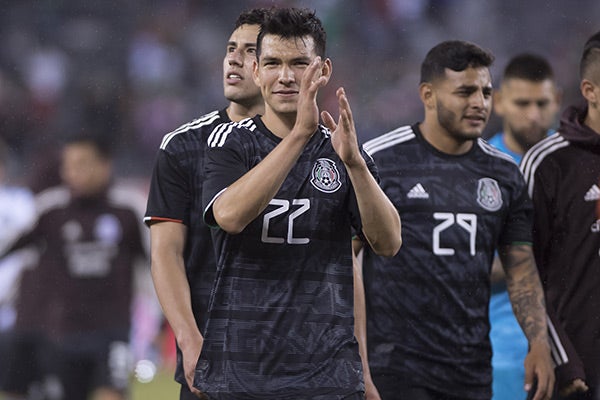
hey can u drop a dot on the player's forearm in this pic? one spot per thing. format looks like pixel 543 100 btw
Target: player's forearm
pixel 170 280
pixel 380 220
pixel 526 293
pixel 246 198
pixel 172 289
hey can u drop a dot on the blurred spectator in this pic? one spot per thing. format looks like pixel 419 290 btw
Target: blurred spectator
pixel 141 66
pixel 45 74
pixel 460 200
pixel 528 101
pixel 74 307
pixel 155 70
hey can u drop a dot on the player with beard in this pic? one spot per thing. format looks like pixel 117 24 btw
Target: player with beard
pixel 76 302
pixel 528 101
pixel 460 199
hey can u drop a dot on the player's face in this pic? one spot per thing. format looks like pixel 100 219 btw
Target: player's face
pixel 83 170
pixel 238 84
pixel 280 69
pixel 463 102
pixel 528 109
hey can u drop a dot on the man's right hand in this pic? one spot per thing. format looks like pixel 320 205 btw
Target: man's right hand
pixel 576 386
pixel 191 353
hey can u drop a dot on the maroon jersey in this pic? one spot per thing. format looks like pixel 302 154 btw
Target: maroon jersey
pixel 563 173
pixel 87 251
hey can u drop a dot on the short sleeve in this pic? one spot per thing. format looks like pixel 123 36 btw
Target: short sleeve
pixel 225 163
pixel 518 224
pixel 169 196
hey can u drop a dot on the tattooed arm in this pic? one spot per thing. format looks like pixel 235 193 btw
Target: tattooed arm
pixel 527 298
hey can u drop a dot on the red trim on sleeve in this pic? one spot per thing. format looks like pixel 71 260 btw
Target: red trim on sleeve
pixel 151 220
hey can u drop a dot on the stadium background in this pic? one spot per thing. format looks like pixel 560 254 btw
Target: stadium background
pixel 133 70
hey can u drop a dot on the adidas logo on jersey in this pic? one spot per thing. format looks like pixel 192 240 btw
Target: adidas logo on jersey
pixel 417 192
pixel 593 194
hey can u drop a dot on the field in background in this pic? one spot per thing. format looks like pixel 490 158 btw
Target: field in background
pixel 162 387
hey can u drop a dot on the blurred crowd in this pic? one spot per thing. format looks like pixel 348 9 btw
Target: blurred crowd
pixel 135 70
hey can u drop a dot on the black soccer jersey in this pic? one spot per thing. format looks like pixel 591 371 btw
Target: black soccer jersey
pixel 281 314
pixel 176 195
pixel 427 307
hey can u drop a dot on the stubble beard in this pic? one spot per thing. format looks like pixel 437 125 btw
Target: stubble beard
pixel 451 123
pixel 525 139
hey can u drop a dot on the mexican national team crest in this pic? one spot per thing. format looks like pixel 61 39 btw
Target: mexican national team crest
pixel 325 176
pixel 489 195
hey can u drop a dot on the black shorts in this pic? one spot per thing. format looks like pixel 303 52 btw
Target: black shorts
pixel 29 355
pixel 86 362
pixel 392 387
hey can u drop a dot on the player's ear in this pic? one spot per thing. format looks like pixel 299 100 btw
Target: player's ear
pixel 588 90
pixel 327 68
pixel 427 94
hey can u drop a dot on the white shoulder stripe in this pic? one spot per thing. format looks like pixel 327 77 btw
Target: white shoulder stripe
pixel 530 178
pixel 121 195
pixel 54 197
pixel 536 155
pixel 399 135
pixel 197 123
pixel 218 136
pixel 325 131
pixel 494 152
pixel 247 123
pixel 538 148
pixel 386 136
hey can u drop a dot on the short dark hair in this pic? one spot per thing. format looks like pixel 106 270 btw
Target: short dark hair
pixel 590 55
pixel 456 55
pixel 530 67
pixel 253 16
pixel 98 142
pixel 294 23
